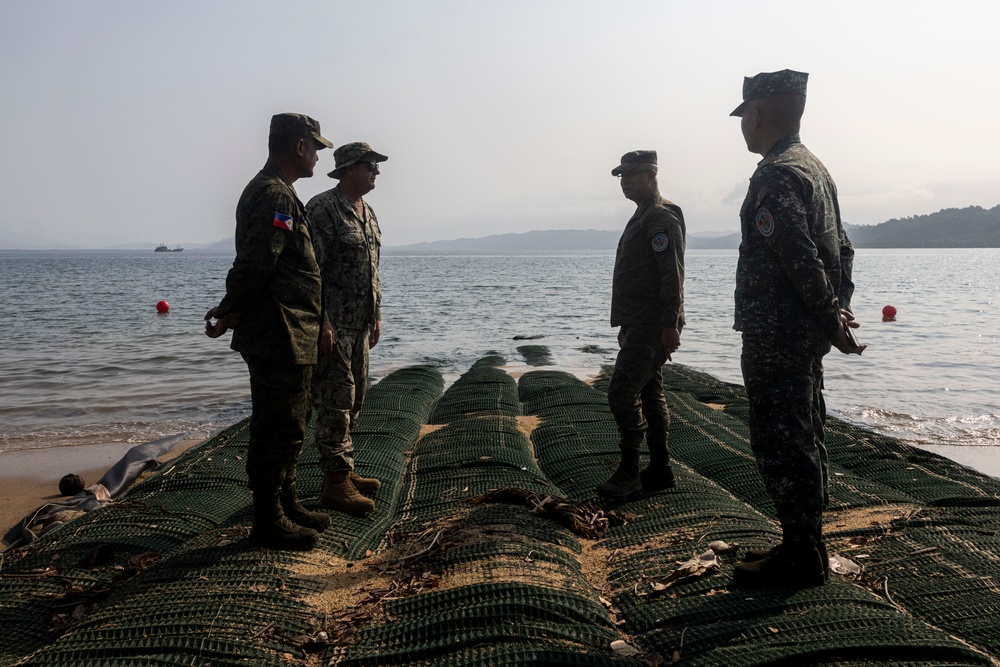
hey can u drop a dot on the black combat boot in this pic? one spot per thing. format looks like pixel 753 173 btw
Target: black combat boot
pixel 298 514
pixel 754 555
pixel 273 530
pixel 826 559
pixel 658 475
pixel 796 563
pixel 625 483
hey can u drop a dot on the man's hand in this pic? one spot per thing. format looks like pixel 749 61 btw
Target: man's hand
pixel 222 325
pixel 374 333
pixel 840 340
pixel 326 339
pixel 670 337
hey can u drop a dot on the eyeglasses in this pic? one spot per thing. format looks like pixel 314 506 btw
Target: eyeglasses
pixel 372 166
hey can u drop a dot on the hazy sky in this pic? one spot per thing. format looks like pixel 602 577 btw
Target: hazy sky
pixel 142 121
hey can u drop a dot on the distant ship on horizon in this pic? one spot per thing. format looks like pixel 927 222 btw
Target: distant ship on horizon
pixel 163 248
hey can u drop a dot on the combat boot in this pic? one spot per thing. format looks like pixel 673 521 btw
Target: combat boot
pixel 658 475
pixel 754 555
pixel 658 478
pixel 625 483
pixel 296 513
pixel 339 494
pixel 366 485
pixel 273 530
pixel 796 563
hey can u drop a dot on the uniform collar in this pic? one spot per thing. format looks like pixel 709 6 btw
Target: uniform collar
pixel 271 169
pixel 347 204
pixel 647 202
pixel 781 145
pixel 340 194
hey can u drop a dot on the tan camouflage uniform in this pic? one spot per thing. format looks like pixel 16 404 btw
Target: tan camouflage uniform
pixel 347 248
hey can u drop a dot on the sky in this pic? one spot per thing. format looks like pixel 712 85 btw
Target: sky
pixel 128 122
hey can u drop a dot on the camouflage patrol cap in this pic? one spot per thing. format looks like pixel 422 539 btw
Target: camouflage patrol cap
pixel 353 153
pixel 636 161
pixel 297 125
pixel 767 84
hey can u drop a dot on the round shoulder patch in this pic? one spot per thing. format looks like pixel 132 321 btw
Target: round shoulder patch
pixel 765 223
pixel 277 243
pixel 660 242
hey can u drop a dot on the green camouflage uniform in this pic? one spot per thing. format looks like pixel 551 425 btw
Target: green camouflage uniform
pixel 275 285
pixel 792 279
pixel 647 293
pixel 347 248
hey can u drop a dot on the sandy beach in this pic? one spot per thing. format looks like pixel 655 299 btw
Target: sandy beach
pixel 30 478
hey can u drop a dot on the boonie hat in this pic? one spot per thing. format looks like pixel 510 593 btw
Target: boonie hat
pixel 635 161
pixel 767 84
pixel 353 153
pixel 299 126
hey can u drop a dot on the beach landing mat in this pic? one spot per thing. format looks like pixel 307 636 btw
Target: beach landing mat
pixel 164 576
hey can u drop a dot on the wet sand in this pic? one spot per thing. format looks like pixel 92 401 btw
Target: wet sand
pixel 30 478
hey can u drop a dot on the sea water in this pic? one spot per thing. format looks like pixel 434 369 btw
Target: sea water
pixel 85 357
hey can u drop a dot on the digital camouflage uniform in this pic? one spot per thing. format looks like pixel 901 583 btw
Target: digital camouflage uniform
pixel 792 279
pixel 647 294
pixel 275 284
pixel 347 249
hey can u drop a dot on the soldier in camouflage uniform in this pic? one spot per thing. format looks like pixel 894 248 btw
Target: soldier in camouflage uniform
pixel 793 296
pixel 273 301
pixel 348 241
pixel 647 302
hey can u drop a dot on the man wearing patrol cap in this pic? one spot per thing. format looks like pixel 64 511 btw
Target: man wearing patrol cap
pixel 647 302
pixel 793 296
pixel 348 241
pixel 272 303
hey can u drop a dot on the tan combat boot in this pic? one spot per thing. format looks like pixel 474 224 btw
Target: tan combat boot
pixel 366 485
pixel 296 513
pixel 339 494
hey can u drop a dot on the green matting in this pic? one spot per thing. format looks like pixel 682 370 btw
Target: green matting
pixel 513 588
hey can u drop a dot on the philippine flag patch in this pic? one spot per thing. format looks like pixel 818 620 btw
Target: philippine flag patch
pixel 283 221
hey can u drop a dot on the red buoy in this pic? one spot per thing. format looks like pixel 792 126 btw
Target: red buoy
pixel 162 306
pixel 889 311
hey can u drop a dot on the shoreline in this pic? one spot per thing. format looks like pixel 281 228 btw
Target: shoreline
pixel 30 478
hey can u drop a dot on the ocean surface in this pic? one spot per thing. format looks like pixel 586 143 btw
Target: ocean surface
pixel 85 358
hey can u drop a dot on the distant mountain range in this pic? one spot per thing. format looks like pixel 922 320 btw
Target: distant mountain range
pixel 552 241
pixel 971 227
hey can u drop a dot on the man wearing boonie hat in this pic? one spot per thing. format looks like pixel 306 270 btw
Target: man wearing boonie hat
pixel 793 299
pixel 647 302
pixel 348 242
pixel 272 303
